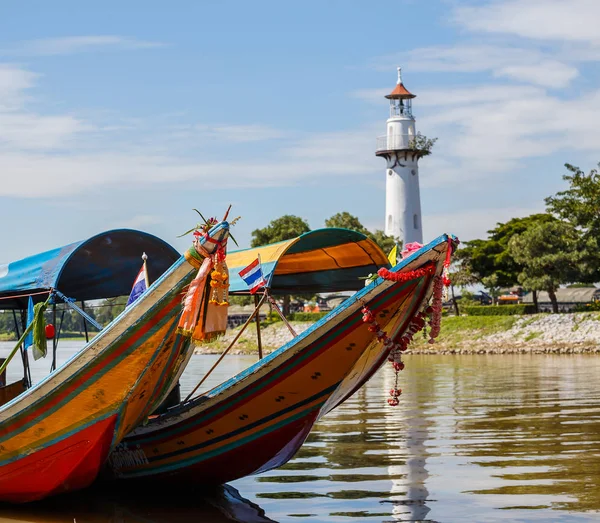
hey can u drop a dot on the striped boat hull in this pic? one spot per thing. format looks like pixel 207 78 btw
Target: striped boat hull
pixel 56 436
pixel 257 420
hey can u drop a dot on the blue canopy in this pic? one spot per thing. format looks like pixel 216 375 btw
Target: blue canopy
pixel 103 266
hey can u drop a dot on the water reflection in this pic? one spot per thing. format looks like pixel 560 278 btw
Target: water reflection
pixel 110 505
pixel 475 438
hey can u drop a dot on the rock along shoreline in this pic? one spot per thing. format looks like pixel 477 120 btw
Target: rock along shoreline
pixel 575 333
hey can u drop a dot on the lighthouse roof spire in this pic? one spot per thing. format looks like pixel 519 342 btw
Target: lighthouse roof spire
pixel 400 92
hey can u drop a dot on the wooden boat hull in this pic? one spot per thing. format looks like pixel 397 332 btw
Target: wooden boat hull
pixel 258 420
pixel 56 436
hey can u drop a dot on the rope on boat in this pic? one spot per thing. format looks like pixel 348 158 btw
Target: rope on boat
pixel 248 321
pixel 70 302
pixel 26 295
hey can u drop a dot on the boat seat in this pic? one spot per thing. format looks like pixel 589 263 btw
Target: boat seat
pixel 11 391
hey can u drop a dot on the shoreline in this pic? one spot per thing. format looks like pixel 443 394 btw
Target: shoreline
pixel 572 333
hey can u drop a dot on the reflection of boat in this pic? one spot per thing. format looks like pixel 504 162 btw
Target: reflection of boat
pixel 55 436
pixel 222 504
pixel 258 419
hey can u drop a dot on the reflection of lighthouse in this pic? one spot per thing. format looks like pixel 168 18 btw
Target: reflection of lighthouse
pixel 409 480
pixel 398 147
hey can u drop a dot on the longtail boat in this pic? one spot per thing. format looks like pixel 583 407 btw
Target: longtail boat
pixel 257 420
pixel 56 435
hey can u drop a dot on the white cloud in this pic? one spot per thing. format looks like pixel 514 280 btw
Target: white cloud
pixel 523 110
pixel 513 62
pixel 139 221
pixel 13 83
pixel 572 20
pixel 238 133
pixel 59 155
pixel 77 44
pixel 473 223
pixel 28 131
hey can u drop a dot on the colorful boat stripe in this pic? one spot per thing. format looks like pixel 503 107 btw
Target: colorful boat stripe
pixel 272 378
pixel 221 450
pixel 69 396
pixel 86 376
pixel 248 427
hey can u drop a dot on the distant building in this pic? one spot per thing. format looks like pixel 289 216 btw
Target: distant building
pixel 567 299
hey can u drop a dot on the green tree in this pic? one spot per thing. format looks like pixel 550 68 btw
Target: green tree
pixel 384 241
pixel 345 220
pixel 549 256
pixel 109 309
pixel 580 203
pixel 489 262
pixel 280 229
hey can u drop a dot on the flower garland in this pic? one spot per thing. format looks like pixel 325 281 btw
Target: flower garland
pixel 416 324
pixel 401 277
pixel 433 313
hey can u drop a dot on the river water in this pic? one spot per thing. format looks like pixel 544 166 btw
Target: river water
pixel 475 438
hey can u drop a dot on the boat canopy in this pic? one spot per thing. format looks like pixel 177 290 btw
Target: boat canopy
pixel 323 260
pixel 104 266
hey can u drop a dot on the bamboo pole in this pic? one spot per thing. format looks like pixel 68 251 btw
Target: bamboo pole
pixel 18 333
pixel 146 278
pixel 248 321
pixel 54 340
pixel 58 331
pixel 257 318
pixel 87 336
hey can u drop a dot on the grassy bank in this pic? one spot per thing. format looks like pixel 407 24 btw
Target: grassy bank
pixel 455 332
pixel 539 333
pixel 458 330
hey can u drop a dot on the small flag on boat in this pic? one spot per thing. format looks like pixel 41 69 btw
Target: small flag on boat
pixel 140 284
pixel 30 315
pixel 253 276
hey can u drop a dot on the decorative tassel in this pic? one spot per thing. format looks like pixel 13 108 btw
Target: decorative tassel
pixel 193 300
pixel 215 321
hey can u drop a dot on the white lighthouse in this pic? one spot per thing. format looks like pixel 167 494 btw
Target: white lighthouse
pixel 400 148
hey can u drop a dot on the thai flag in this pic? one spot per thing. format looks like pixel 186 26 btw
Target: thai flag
pixel 253 276
pixel 139 286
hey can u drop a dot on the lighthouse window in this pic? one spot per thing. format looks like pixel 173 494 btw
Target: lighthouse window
pixel 416 221
pixel 389 221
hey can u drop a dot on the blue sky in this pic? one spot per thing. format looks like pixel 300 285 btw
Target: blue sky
pixel 130 114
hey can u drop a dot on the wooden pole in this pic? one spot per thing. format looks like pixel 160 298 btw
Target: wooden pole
pixel 55 339
pixel 87 336
pixel 257 303
pixel 27 370
pixel 146 278
pixel 18 333
pixel 58 331
pixel 248 321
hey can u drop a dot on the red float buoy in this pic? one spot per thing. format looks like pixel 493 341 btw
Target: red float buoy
pixel 50 331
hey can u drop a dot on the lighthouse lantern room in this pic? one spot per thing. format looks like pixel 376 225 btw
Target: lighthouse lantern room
pixel 400 150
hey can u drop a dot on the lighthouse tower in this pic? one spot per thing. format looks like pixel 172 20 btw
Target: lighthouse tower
pixel 398 147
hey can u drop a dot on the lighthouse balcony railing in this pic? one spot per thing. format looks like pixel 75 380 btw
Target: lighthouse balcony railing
pixel 392 142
